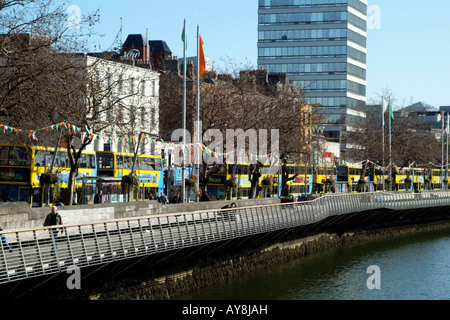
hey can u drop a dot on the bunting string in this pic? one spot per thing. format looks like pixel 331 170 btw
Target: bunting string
pixel 177 147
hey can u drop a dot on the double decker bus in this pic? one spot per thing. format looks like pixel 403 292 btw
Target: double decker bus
pixel 419 176
pixel 436 179
pixel 323 177
pixel 217 189
pixel 301 186
pixel 149 170
pixel 270 184
pixel 21 167
pixel 216 184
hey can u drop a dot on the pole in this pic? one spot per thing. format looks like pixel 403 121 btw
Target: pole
pixel 148 50
pixel 382 135
pixel 183 182
pixel 390 144
pixel 447 132
pixel 197 133
pixel 442 143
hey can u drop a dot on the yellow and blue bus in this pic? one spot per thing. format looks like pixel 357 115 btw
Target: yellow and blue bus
pixel 270 184
pixel 148 169
pixel 301 186
pixel 215 188
pixel 219 187
pixel 323 176
pixel 21 167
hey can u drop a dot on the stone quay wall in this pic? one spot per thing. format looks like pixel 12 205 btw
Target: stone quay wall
pixel 20 215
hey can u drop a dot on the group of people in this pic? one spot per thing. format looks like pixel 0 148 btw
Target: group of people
pixel 163 199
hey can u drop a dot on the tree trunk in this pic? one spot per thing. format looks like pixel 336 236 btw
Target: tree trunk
pixel 71 186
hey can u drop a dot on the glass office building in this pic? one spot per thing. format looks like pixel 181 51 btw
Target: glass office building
pixel 321 45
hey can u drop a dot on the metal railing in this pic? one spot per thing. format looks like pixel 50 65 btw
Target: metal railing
pixel 45 251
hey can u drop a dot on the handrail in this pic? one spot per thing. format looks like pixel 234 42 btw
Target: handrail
pixel 99 242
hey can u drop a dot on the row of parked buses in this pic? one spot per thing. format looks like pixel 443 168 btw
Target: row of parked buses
pixel 304 181
pixel 21 168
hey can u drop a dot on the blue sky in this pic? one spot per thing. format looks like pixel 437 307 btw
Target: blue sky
pixel 408 52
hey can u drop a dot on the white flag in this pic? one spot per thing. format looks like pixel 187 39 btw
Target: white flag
pixel 385 105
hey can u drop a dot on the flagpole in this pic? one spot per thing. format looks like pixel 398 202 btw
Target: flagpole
pixel 447 132
pixel 442 143
pixel 197 134
pixel 382 134
pixel 184 114
pixel 390 144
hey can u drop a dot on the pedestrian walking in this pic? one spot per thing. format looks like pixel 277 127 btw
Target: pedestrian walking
pixel 5 242
pixel 53 219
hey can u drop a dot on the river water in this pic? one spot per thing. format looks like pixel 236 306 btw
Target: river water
pixel 408 268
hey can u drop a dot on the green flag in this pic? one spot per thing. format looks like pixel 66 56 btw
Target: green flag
pixel 183 36
pixel 392 114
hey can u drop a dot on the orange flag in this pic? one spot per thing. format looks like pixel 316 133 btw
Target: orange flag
pixel 202 61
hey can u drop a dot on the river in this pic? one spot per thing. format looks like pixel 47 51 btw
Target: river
pixel 406 268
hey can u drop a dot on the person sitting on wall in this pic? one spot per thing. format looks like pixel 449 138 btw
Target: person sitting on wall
pixel 5 242
pixel 204 197
pixel 176 198
pixel 98 197
pixel 163 199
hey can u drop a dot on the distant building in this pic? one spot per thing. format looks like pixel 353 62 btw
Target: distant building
pixel 321 45
pixel 139 51
pixel 136 90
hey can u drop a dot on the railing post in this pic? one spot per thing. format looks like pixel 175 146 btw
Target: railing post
pixel 141 230
pixel 119 233
pixel 108 239
pixel 133 244
pixel 4 263
pixel 152 233
pixel 38 251
pixel 83 244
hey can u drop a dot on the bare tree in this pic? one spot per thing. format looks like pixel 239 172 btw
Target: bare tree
pixel 245 100
pixel 412 138
pixel 44 79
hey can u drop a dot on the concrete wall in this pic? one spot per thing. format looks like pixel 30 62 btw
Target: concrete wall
pixel 19 215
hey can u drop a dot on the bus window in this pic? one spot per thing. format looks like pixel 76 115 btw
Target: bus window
pixel 91 161
pixel 61 160
pixel 150 164
pixel 119 161
pixel 19 156
pixel 105 161
pixel 158 165
pixel 39 158
pixel 82 163
pixel 127 162
pixel 4 154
